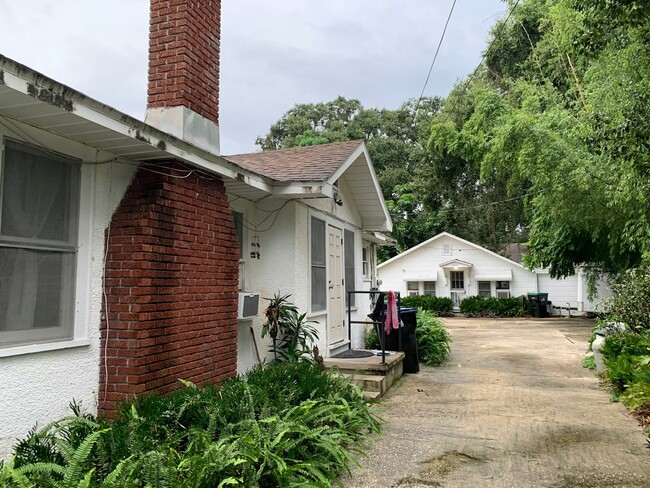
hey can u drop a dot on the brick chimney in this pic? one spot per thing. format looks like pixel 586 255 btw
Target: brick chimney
pixel 183 89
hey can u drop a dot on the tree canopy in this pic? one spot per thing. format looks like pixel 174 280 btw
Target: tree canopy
pixel 558 119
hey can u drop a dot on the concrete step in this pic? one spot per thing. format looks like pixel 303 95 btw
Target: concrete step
pixel 370 374
pixel 369 382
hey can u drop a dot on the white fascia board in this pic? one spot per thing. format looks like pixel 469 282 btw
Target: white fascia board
pixel 363 150
pixel 301 189
pixel 378 238
pixel 28 82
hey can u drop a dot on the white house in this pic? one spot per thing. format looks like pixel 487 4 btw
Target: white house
pixel 315 239
pixel 124 244
pixel 448 266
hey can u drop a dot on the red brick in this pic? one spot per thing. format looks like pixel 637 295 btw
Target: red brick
pixel 172 301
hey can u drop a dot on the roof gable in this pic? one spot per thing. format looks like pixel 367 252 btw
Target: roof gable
pixel 451 236
pixel 313 171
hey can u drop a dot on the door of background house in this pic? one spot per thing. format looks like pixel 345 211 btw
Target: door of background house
pixel 457 279
pixel 335 285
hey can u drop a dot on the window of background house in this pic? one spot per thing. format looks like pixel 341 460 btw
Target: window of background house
pixel 412 288
pixel 503 289
pixel 38 239
pixel 484 289
pixel 430 288
pixel 318 267
pixel 446 249
pixel 348 243
pixel 457 280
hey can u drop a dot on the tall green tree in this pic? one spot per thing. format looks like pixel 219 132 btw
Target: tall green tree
pixel 558 119
pixel 396 140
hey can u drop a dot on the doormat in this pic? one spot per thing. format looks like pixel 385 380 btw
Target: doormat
pixel 353 354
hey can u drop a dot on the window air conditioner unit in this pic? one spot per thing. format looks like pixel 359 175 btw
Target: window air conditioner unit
pixel 249 304
pixel 503 294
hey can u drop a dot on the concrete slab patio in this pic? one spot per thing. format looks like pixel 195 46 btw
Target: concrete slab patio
pixel 511 407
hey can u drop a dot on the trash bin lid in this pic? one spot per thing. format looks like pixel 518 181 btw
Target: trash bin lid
pixel 408 310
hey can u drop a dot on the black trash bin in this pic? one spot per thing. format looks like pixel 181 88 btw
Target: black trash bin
pixel 538 305
pixel 408 319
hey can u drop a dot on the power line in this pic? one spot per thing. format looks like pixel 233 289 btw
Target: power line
pixel 435 56
pixel 487 51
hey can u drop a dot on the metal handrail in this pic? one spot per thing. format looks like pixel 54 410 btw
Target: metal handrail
pixel 382 339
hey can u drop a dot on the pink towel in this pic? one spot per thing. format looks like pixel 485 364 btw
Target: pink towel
pixel 392 321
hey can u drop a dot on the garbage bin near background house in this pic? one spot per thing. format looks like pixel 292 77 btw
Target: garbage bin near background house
pixel 408 318
pixel 538 305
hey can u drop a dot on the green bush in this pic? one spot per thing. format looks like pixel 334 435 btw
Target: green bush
pixel 439 305
pixel 286 424
pixel 630 302
pixel 626 356
pixel 431 336
pixel 477 306
pixel 433 340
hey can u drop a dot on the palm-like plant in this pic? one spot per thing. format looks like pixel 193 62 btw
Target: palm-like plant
pixel 291 334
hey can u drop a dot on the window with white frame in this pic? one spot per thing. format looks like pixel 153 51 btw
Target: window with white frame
pixel 318 265
pixel 457 280
pixel 412 288
pixel 365 261
pixel 39 206
pixel 429 288
pixel 484 289
pixel 446 250
pixel 503 289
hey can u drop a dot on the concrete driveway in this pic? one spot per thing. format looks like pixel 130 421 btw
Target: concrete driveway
pixel 511 407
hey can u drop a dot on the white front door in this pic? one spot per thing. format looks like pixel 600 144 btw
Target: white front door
pixel 457 279
pixel 335 285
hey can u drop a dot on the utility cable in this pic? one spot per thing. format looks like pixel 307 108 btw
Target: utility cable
pixel 435 57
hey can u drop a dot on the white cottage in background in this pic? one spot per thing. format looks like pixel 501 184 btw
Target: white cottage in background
pixel 314 237
pixel 448 266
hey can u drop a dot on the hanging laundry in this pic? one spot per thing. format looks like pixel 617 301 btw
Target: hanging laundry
pixel 392 320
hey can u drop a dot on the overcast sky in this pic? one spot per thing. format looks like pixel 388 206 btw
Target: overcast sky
pixel 275 53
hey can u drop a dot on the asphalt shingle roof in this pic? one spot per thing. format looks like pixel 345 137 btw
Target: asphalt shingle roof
pixel 311 163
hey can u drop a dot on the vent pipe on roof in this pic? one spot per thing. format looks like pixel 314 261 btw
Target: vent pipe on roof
pixel 183 85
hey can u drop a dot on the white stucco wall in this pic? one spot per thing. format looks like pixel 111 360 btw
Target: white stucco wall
pixel 284 266
pixel 37 386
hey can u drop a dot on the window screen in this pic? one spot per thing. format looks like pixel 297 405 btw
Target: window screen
pixel 430 288
pixel 348 243
pixel 38 233
pixel 484 289
pixel 413 288
pixel 318 267
pixel 238 220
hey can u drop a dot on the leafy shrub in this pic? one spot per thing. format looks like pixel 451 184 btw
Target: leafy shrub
pixel 431 336
pixel 439 305
pixel 286 424
pixel 432 339
pixel 626 357
pixel 477 306
pixel 630 302
pixel 292 335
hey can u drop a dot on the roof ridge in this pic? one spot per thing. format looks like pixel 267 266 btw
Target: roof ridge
pixel 298 148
